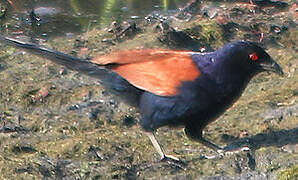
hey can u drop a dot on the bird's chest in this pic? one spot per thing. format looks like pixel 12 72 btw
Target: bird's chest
pixel 213 98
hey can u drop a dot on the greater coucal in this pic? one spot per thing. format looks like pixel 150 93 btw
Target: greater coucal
pixel 172 88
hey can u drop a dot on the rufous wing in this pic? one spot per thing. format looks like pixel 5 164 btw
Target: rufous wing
pixel 160 72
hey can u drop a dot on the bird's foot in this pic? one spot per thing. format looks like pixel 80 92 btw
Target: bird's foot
pixel 230 151
pixel 172 160
pixel 226 151
pixel 170 157
pixel 219 154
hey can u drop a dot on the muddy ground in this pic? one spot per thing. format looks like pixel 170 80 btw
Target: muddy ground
pixel 59 124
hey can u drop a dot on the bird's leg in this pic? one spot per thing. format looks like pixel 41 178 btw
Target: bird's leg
pixel 219 150
pixel 158 148
pixel 197 135
pixel 209 144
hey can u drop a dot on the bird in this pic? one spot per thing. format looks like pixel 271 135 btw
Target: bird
pixel 174 88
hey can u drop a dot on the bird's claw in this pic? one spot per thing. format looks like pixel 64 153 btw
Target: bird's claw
pixel 170 157
pixel 219 155
pixel 226 151
pixel 172 160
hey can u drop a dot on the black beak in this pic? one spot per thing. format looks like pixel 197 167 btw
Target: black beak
pixel 272 66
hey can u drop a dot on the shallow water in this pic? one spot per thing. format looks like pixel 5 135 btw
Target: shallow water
pixel 57 17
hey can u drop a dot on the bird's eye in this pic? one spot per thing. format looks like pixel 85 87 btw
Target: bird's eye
pixel 254 56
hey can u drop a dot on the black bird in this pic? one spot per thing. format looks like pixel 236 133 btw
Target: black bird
pixel 172 88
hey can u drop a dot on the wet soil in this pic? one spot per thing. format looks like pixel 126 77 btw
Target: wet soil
pixel 59 124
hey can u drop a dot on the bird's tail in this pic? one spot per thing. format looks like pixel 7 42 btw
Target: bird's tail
pixel 57 57
pixel 109 79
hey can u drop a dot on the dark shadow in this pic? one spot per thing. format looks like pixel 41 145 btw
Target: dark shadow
pixel 274 138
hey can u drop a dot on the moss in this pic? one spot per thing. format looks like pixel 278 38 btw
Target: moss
pixel 206 32
pixel 289 174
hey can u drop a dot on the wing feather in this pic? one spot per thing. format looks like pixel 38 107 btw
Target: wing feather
pixel 160 72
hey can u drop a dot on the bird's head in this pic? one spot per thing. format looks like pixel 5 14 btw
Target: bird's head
pixel 251 57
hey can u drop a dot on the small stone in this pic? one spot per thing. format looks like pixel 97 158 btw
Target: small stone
pixel 210 11
pixel 129 121
pixel 94 113
pixel 63 71
pixel 23 149
pixel 290 148
pixel 2 11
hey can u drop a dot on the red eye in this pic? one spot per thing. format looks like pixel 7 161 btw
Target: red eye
pixel 254 56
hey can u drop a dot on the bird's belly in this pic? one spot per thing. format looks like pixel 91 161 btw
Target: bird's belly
pixel 210 112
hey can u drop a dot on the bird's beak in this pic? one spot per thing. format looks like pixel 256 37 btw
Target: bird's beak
pixel 272 66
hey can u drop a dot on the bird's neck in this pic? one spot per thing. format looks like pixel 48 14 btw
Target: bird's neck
pixel 230 78
pixel 225 71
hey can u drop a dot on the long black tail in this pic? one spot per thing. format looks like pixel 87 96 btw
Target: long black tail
pixel 68 61
pixel 109 79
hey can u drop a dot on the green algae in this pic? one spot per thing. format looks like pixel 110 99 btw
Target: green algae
pixel 288 174
pixel 207 32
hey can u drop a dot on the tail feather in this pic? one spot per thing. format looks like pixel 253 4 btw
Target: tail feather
pixel 57 57
pixel 110 79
